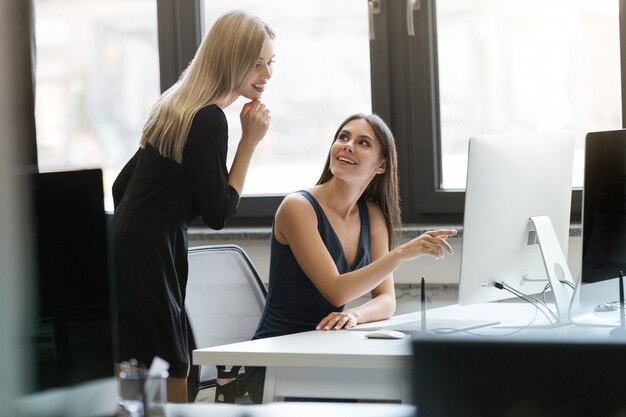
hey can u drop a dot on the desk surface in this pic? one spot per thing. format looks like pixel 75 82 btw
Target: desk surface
pixel 321 362
pixel 98 398
pixel 346 349
pixel 351 349
pixel 290 410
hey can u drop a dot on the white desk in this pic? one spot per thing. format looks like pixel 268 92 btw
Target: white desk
pixel 290 409
pixel 98 398
pixel 338 364
pixel 345 364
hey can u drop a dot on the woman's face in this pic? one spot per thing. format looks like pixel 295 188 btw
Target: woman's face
pixel 357 152
pixel 254 84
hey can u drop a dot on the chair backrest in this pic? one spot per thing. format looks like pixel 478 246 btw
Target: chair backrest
pixel 225 297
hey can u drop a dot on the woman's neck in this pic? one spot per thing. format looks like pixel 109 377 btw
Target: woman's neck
pixel 339 196
pixel 227 101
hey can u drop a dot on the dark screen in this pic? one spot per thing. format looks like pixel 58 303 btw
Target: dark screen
pixel 70 336
pixel 604 206
pixel 477 378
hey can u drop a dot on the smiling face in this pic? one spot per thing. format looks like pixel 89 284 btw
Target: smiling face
pixel 254 84
pixel 356 152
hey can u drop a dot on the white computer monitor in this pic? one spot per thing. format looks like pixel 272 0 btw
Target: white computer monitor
pixel 511 178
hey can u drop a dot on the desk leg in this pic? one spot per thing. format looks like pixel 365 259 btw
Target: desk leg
pixel 269 388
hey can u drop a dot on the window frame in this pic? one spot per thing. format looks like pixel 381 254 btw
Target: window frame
pixel 419 137
pixel 179 28
pixel 404 82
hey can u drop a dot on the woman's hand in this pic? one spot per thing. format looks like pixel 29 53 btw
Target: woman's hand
pixel 255 120
pixel 338 320
pixel 431 243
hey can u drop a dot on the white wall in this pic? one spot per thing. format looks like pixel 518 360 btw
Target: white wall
pixel 442 276
pixel 444 272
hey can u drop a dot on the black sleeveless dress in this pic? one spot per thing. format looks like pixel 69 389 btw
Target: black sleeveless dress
pixel 155 201
pixel 293 303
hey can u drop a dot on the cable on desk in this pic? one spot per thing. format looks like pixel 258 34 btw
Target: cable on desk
pixel 529 299
pixel 526 326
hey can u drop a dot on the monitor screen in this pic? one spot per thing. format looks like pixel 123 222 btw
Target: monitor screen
pixel 510 178
pixel 70 337
pixel 604 216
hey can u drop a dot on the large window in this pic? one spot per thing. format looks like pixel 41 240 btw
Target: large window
pixel 321 76
pixel 445 71
pixel 97 76
pixel 490 66
pixel 511 66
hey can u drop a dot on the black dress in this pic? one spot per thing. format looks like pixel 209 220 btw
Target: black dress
pixel 155 201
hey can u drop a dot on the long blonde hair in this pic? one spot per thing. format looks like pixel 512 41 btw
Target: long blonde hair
pixel 226 55
pixel 383 188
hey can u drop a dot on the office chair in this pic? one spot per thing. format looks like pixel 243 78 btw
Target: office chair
pixel 224 301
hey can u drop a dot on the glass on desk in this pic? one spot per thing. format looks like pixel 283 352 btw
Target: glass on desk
pixel 142 394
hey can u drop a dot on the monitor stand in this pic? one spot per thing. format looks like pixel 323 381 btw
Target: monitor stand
pixel 583 314
pixel 556 266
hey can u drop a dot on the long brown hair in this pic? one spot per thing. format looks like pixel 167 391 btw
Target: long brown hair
pixel 383 188
pixel 226 55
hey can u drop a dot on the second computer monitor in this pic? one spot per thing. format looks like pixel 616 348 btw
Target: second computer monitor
pixel 604 217
pixel 510 178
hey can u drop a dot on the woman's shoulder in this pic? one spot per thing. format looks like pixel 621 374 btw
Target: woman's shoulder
pixel 294 204
pixel 376 216
pixel 295 199
pixel 294 211
pixel 208 121
pixel 373 208
pixel 210 112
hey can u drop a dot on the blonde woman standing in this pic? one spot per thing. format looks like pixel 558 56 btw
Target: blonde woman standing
pixel 178 174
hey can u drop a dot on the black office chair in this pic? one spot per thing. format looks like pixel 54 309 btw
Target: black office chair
pixel 225 299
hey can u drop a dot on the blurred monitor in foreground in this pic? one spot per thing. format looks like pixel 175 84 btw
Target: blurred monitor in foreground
pixel 69 337
pixel 498 378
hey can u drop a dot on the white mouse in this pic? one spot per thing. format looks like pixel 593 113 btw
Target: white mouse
pixel 385 334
